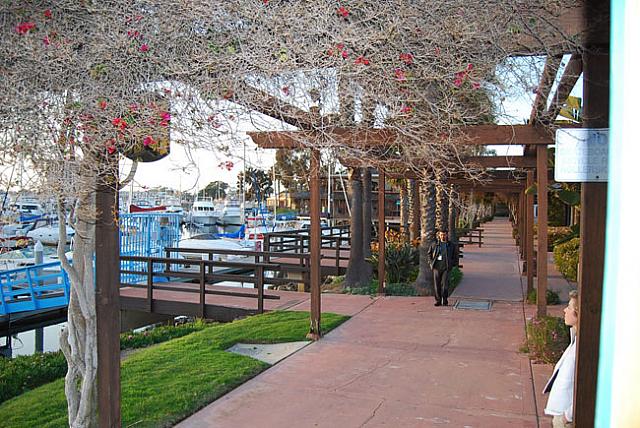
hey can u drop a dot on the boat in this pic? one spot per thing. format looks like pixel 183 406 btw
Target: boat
pixel 203 212
pixel 231 214
pixel 50 234
pixel 133 208
pixel 25 257
pixel 28 207
pixel 212 241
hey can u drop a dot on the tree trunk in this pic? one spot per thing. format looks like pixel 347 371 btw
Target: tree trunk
pixel 367 210
pixel 404 210
pixel 78 340
pixel 358 270
pixel 453 214
pixel 442 207
pixel 424 282
pixel 414 208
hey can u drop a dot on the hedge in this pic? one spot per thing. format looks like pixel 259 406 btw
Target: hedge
pixel 566 257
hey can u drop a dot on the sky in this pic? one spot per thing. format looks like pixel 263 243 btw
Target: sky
pixel 193 170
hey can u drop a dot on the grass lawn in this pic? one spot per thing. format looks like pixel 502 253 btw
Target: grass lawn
pixel 164 384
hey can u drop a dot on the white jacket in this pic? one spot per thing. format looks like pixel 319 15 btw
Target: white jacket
pixel 560 385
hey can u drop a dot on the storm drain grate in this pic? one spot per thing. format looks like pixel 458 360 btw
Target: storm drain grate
pixel 475 305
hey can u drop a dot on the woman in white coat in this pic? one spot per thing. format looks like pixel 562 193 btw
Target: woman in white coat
pixel 560 385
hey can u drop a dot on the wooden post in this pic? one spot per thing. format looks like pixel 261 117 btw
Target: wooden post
pixel 529 233
pixel 260 284
pixel 381 227
pixel 593 210
pixel 150 285
pixel 202 290
pixel 315 332
pixel 108 303
pixel 541 157
pixel 521 224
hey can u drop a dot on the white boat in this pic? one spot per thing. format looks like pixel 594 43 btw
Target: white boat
pixel 211 241
pixel 28 207
pixel 231 214
pixel 17 259
pixel 203 212
pixel 174 206
pixel 50 234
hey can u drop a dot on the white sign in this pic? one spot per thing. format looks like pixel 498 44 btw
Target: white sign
pixel 582 155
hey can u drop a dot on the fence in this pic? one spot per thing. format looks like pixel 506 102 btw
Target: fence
pixel 146 235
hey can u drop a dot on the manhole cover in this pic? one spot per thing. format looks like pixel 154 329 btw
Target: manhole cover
pixel 476 305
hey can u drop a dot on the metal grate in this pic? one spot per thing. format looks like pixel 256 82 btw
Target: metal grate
pixel 475 305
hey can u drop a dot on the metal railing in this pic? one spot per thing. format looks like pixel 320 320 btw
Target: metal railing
pixel 32 288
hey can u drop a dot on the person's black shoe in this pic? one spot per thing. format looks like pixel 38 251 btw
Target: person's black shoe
pixel 445 303
pixel 437 303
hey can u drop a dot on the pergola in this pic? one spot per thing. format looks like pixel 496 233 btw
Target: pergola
pixel 536 139
pixel 593 62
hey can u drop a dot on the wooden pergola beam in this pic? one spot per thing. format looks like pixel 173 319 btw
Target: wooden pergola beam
pixel 481 135
pixel 500 161
pixel 570 76
pixel 544 87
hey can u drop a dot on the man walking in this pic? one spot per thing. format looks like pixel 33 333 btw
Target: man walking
pixel 442 257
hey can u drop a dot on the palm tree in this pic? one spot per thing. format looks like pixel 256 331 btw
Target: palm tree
pixel 442 206
pixel 424 282
pixel 404 209
pixel 358 271
pixel 414 209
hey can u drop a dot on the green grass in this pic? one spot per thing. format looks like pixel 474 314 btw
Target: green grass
pixel 164 384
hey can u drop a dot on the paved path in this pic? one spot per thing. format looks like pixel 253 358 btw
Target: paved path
pixel 401 362
pixel 491 272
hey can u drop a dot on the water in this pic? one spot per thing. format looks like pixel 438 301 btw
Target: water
pixel 25 343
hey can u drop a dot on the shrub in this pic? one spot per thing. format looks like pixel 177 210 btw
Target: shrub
pixel 401 258
pixel 400 289
pixel 455 276
pixel 566 256
pixel 552 297
pixel 560 235
pixel 547 338
pixel 26 372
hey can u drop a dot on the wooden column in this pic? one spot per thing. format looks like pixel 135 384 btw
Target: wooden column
pixel 315 241
pixel 108 304
pixel 593 210
pixel 381 227
pixel 521 224
pixel 529 233
pixel 541 159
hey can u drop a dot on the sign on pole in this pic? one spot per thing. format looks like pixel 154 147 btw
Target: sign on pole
pixel 582 155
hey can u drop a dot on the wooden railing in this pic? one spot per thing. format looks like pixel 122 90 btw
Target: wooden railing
pixel 471 236
pixel 202 276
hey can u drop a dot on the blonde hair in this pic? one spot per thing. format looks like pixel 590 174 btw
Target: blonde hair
pixel 573 294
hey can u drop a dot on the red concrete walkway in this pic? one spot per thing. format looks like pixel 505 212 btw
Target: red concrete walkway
pixel 401 362
pixel 491 272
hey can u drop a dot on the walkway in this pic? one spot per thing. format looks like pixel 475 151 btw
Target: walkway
pixel 401 362
pixel 491 272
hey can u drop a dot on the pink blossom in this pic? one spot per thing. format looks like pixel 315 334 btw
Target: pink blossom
pixel 285 90
pixel 165 115
pixel 407 58
pixel 345 54
pixel 437 51
pixel 148 141
pixel 475 85
pixel 400 75
pixel 25 27
pixel 47 14
pixel 46 40
pixel 406 109
pixel 144 47
pixel 343 11
pixel 102 104
pixel 362 60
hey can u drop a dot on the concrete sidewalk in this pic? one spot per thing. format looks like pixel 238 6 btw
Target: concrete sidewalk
pixel 401 362
pixel 491 272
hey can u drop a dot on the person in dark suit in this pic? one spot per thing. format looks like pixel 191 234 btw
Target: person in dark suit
pixel 442 258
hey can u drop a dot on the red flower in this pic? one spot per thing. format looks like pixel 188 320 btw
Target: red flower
pixel 47 14
pixel 400 75
pixel 362 60
pixel 148 141
pixel 407 58
pixel 144 47
pixel 25 27
pixel 228 94
pixel 343 11
pixel 285 90
pixel 102 104
pixel 340 46
pixel 406 109
pixel 345 54
pixel 46 40
pixel 265 2
pixel 437 51
pixel 475 85
pixel 111 146
pixel 469 67
pixel 167 91
pixel 165 115
pixel 119 122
